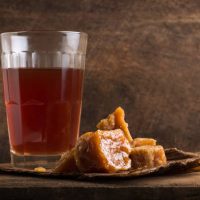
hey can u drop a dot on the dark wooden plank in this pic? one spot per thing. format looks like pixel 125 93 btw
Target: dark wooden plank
pixel 152 188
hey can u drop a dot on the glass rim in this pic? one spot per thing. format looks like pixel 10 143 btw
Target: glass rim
pixel 25 33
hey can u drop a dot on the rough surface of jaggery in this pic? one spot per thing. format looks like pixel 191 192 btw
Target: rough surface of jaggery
pixel 137 142
pixel 67 163
pixel 103 151
pixel 147 156
pixel 116 120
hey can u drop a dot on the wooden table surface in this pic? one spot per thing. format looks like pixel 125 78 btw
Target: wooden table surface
pixel 181 186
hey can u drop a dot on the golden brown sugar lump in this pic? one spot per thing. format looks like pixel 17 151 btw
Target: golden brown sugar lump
pixel 116 120
pixel 103 151
pixel 137 142
pixel 67 163
pixel 40 169
pixel 147 156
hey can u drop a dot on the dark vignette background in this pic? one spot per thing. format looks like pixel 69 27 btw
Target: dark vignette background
pixel 142 55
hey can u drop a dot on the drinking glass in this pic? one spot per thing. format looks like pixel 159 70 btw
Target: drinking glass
pixel 43 75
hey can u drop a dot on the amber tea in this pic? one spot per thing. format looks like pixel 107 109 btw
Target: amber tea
pixel 43 109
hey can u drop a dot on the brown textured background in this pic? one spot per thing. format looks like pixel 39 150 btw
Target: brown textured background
pixel 142 55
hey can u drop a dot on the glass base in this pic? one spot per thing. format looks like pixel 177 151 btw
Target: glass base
pixel 33 161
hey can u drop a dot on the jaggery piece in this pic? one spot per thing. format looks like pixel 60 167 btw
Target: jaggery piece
pixel 116 120
pixel 103 151
pixel 67 163
pixel 40 169
pixel 147 156
pixel 137 142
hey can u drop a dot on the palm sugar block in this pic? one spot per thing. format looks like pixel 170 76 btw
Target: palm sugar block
pixel 137 142
pixel 103 151
pixel 147 156
pixel 116 120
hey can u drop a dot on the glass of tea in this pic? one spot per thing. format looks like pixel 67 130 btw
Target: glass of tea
pixel 43 75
